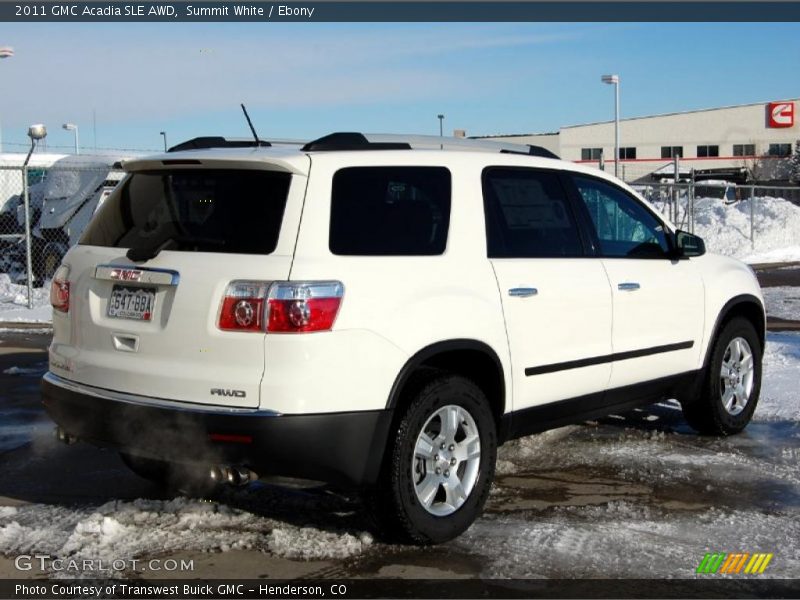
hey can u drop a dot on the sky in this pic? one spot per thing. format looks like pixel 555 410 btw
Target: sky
pixel 303 80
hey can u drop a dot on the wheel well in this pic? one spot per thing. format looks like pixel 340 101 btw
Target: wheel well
pixel 748 308
pixel 472 360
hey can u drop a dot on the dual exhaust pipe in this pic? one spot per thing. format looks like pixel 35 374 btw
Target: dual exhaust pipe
pixel 233 475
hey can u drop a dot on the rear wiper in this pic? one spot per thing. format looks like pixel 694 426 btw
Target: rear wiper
pixel 148 252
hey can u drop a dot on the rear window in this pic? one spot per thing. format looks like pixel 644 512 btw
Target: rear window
pixel 386 211
pixel 229 211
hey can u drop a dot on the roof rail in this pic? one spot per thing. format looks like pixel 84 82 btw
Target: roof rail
pixel 533 151
pixel 380 141
pixel 200 143
pixel 351 141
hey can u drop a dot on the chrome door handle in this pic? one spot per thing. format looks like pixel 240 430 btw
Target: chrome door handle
pixel 523 292
pixel 628 286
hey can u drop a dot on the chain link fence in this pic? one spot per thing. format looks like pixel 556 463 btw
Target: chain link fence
pixel 62 200
pixel 43 212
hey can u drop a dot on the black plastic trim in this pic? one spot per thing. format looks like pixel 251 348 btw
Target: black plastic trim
pixel 440 348
pixel 343 448
pixel 599 360
pixel 533 151
pixel 723 313
pixel 591 406
pixel 351 141
pixel 203 142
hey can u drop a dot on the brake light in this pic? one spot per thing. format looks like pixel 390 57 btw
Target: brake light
pixel 59 290
pixel 243 306
pixel 300 307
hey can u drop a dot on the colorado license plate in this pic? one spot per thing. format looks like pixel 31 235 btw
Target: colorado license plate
pixel 128 302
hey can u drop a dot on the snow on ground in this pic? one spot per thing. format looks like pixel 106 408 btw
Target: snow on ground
pixel 140 527
pixel 782 302
pixel 780 392
pixel 14 303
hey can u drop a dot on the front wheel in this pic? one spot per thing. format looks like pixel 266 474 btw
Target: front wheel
pixel 732 382
pixel 441 465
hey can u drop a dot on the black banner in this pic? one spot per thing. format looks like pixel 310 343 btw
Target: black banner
pixel 531 11
pixel 702 587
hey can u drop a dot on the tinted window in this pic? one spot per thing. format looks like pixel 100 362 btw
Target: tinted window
pixel 527 215
pixel 624 227
pixel 237 212
pixel 385 211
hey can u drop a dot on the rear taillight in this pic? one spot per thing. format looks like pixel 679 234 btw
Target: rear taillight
pixel 298 307
pixel 243 306
pixel 287 307
pixel 59 290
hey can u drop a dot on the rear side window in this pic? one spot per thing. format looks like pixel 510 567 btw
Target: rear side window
pixel 227 211
pixel 390 211
pixel 528 215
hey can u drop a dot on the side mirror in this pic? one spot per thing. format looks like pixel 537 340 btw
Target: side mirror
pixel 688 245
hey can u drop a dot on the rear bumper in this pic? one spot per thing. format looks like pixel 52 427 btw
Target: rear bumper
pixel 341 448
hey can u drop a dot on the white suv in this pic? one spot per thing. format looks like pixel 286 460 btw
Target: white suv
pixel 381 312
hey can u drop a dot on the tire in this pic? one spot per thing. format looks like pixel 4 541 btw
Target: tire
pixel 726 403
pixel 415 503
pixel 189 479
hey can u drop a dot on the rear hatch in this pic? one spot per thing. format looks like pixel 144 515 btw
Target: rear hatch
pixel 150 273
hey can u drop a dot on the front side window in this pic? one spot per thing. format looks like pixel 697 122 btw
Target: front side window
pixel 193 210
pixel 625 228
pixel 528 215
pixel 390 211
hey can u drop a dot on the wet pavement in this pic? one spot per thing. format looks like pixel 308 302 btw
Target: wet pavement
pixel 630 495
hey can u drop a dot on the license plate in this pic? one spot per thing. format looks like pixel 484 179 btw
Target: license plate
pixel 128 302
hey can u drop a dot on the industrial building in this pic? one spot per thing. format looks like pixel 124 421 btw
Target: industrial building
pixel 744 143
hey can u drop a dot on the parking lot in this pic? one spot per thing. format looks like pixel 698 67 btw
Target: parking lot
pixel 633 495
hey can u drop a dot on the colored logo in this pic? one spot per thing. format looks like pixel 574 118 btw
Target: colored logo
pixel 736 563
pixel 780 114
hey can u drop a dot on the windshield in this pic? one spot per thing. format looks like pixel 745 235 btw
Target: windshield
pixel 230 211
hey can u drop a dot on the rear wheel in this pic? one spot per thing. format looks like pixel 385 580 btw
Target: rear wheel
pixel 732 384
pixel 441 464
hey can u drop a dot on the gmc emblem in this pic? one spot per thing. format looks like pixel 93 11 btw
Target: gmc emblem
pixel 126 274
pixel 228 393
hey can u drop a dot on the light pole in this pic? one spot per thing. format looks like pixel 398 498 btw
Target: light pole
pixel 441 124
pixel 36 133
pixel 74 129
pixel 164 135
pixel 5 52
pixel 614 79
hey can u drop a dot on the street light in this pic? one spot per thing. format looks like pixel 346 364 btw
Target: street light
pixel 441 124
pixel 5 52
pixel 614 79
pixel 164 135
pixel 73 128
pixel 36 133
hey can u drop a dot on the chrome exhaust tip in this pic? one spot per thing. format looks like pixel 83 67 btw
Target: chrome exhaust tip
pixel 232 475
pixel 64 437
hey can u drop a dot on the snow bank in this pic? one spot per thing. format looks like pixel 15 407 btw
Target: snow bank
pixel 725 228
pixel 131 529
pixel 14 303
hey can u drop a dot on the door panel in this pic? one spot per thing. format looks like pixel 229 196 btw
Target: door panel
pixel 556 301
pixel 657 301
